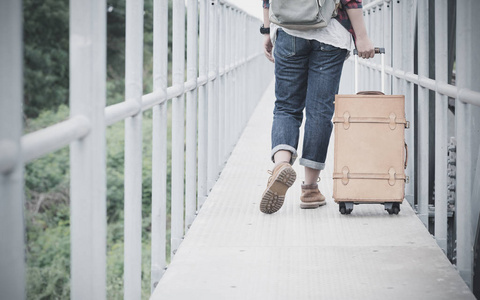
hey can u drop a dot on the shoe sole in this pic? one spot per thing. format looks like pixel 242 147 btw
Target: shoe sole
pixel 274 195
pixel 311 205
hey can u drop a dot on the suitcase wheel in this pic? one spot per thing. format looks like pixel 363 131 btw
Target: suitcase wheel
pixel 345 208
pixel 393 208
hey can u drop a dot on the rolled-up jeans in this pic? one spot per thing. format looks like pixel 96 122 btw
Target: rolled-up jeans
pixel 307 76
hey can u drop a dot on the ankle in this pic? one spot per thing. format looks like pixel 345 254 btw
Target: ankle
pixel 309 185
pixel 311 180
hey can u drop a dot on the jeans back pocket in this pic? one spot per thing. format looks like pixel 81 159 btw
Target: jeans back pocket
pixel 284 44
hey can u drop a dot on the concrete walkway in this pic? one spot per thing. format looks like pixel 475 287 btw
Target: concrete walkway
pixel 233 251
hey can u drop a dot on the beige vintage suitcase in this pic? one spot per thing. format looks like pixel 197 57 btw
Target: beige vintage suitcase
pixel 370 153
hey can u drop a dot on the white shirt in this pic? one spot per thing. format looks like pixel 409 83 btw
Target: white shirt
pixel 334 34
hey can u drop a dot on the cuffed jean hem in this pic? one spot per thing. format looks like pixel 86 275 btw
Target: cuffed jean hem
pixel 288 148
pixel 312 164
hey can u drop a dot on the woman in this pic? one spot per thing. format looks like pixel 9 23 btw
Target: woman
pixel 308 65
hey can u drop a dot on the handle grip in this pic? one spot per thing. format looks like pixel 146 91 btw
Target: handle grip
pixel 378 50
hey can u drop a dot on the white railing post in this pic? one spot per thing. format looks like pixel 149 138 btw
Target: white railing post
pixel 221 86
pixel 191 152
pixel 217 162
pixel 12 226
pixel 88 223
pixel 409 13
pixel 423 113
pixel 212 95
pixel 228 80
pixel 236 77
pixel 441 124
pixel 243 70
pixel 240 76
pixel 203 105
pixel 178 127
pixel 133 151
pixel 387 42
pixel 467 76
pixel 159 141
pixel 378 24
pixel 396 49
pixel 370 22
pixel 233 79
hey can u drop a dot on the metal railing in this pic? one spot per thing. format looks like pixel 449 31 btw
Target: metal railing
pixel 406 28
pixel 215 101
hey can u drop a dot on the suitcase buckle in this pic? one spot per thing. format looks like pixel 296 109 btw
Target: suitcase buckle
pixel 407 125
pixel 407 179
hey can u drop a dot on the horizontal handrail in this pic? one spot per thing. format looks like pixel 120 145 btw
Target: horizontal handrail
pixel 152 99
pixel 34 145
pixel 374 4
pixel 462 94
pixel 47 140
pixel 120 111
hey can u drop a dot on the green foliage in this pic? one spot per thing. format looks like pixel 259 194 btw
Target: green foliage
pixel 115 249
pixel 115 51
pixel 115 172
pixel 46 42
pixel 48 259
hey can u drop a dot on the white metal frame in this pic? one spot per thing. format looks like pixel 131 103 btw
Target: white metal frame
pixel 12 228
pixel 220 96
pixel 88 220
pixel 215 101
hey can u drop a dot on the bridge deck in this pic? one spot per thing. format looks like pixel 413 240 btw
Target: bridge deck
pixel 233 251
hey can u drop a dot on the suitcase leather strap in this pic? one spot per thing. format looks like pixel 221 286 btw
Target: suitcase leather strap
pixel 391 176
pixel 391 120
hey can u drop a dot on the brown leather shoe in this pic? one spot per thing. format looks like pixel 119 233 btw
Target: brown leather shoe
pixel 311 196
pixel 283 177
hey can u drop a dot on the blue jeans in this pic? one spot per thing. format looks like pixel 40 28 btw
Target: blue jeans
pixel 307 75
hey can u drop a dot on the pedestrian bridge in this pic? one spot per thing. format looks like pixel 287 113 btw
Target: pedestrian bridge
pixel 221 99
pixel 233 251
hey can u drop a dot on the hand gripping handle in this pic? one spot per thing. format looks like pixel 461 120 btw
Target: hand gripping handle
pixel 378 50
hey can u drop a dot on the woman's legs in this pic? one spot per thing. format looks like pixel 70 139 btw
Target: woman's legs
pixel 311 175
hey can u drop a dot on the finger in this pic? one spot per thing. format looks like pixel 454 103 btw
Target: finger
pixel 268 54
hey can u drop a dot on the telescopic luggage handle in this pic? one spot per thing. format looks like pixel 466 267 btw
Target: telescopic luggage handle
pixel 377 50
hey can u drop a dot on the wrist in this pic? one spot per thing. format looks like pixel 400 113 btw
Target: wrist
pixel 264 30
